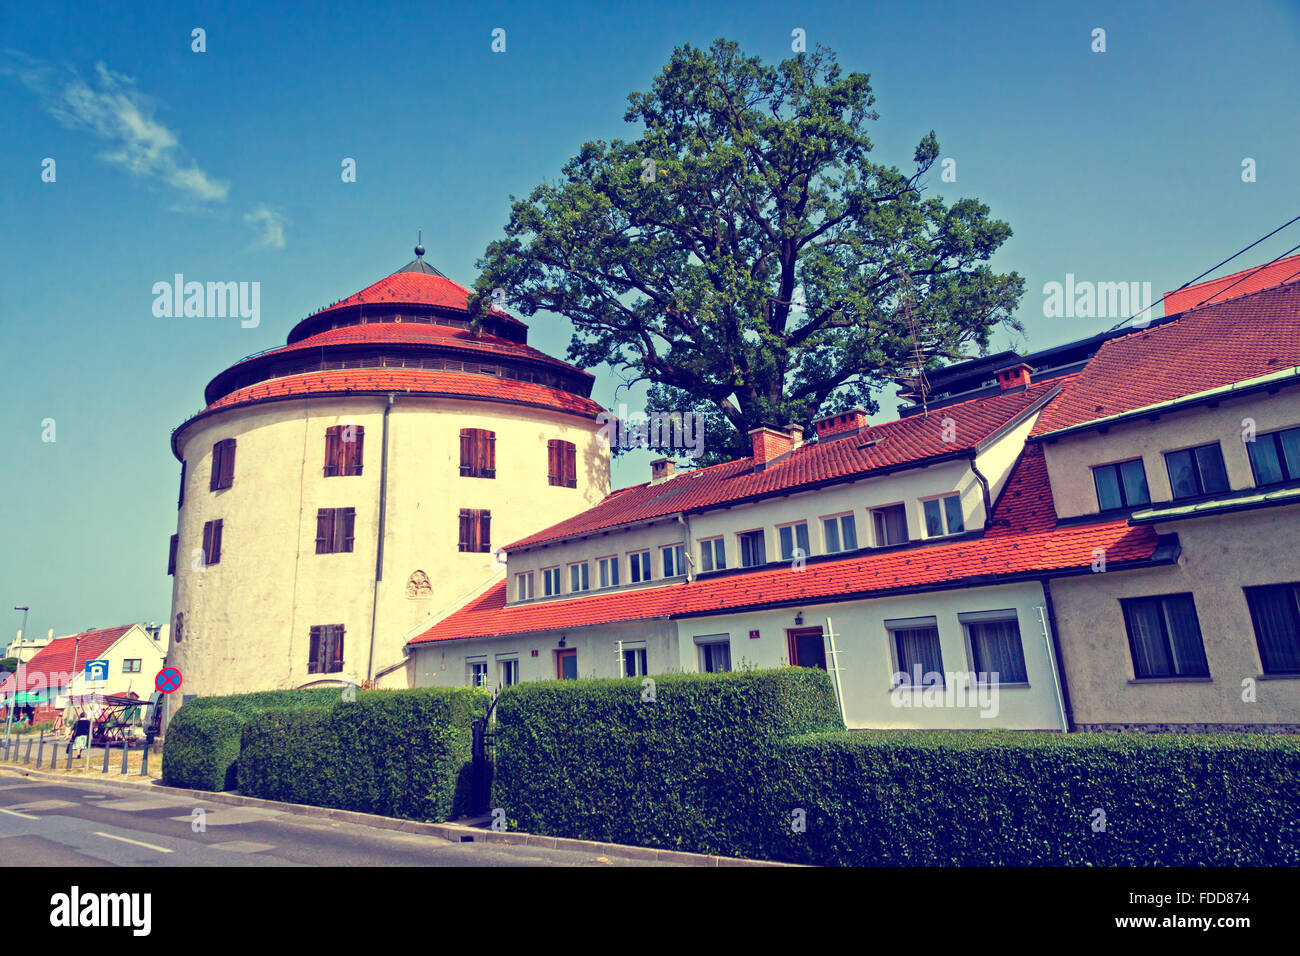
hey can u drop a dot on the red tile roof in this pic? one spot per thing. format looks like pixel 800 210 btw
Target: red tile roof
pixel 419 288
pixel 907 440
pixel 1228 287
pixel 1024 540
pixel 416 381
pixel 416 333
pixel 54 661
pixel 1206 348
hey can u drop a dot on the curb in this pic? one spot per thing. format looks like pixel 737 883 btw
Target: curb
pixel 451 832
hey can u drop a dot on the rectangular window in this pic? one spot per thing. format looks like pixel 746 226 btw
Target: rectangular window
pixel 171 554
pixel 713 554
pixel 753 550
pixel 524 586
pixel 475 530
pixel 478 453
pixel 715 655
pixel 579 577
pixel 890 525
pixel 334 530
pixel 840 533
pixel 476 672
pixel 212 542
pixel 608 572
pixel 1275 456
pixel 674 560
pixel 343 450
pixel 1196 471
pixel 638 566
pixel 943 516
pixel 223 465
pixel 131 665
pixel 1164 636
pixel 550 582
pixel 508 669
pixel 1275 613
pixel 180 498
pixel 562 463
pixel 793 536
pixel 634 662
pixel 1122 485
pixel 325 652
pixel 997 656
pixel 918 658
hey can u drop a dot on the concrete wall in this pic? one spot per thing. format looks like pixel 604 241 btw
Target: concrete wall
pixel 1220 556
pixel 1070 460
pixel 862 641
pixel 248 618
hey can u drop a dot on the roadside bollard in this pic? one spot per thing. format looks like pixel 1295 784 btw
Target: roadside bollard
pixel 106 752
pixel 40 752
pixel 144 761
pixel 126 749
pixel 68 765
pixel 27 758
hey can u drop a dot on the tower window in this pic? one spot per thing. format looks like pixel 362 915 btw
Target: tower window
pixel 478 456
pixel 334 527
pixel 223 465
pixel 475 530
pixel 343 450
pixel 562 463
pixel 212 543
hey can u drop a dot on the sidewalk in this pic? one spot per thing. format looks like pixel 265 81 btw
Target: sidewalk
pixel 463 831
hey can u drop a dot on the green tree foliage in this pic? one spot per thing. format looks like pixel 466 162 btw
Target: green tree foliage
pixel 745 256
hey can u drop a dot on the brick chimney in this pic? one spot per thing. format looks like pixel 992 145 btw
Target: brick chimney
pixel 769 443
pixel 796 435
pixel 840 424
pixel 1014 376
pixel 661 469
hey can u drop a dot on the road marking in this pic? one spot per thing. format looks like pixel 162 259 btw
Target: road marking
pixel 148 846
pixel 15 813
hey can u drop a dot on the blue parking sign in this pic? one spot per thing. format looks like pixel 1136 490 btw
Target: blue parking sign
pixel 97 670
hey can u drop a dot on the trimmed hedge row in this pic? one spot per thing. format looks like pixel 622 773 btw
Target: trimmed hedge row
pixel 202 732
pixel 398 753
pixel 1007 798
pixel 591 759
pixel 742 765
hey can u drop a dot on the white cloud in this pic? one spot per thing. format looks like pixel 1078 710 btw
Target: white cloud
pixel 271 226
pixel 114 110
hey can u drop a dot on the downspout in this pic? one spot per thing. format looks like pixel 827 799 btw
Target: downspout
pixel 685 522
pixel 1058 668
pixel 379 547
pixel 988 498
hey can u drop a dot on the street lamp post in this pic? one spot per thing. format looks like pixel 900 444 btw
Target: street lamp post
pixel 24 609
pixel 9 717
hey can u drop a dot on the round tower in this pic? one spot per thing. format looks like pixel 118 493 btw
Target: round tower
pixel 338 492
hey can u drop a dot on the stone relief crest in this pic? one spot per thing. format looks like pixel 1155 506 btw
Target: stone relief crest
pixel 418 586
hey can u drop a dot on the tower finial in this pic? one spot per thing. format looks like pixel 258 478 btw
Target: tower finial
pixel 419 244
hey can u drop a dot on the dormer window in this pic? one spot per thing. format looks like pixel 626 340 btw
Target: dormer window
pixel 674 560
pixel 579 577
pixel 943 516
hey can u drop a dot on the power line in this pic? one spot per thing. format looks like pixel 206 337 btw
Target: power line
pixel 1246 276
pixel 1212 268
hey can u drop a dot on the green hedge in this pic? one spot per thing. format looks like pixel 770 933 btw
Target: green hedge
pixel 1006 798
pixel 201 749
pixel 396 753
pixel 190 744
pixel 590 759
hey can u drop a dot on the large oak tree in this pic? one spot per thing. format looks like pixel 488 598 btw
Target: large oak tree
pixel 745 256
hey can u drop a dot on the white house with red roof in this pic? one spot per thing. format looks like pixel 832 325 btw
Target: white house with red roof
pixel 1042 546
pixel 57 673
pixel 342 489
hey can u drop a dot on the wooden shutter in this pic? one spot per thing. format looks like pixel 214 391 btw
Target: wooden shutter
pixel 171 555
pixel 466 453
pixel 553 462
pixel 336 649
pixel 344 524
pixel 207 541
pixel 570 464
pixel 352 450
pixel 488 453
pixel 180 499
pixel 313 651
pixel 214 556
pixel 333 451
pixel 214 480
pixel 466 529
pixel 228 463
pixel 324 530
pixel 484 531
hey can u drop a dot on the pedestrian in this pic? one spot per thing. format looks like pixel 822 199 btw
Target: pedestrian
pixel 80 734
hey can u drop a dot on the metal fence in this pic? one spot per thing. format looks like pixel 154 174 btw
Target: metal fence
pixel 53 753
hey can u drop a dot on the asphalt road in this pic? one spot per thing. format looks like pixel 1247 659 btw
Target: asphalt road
pixel 76 823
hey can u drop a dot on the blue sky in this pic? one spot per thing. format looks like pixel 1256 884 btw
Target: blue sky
pixel 224 165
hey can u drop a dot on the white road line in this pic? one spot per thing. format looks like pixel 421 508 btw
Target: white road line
pixel 148 846
pixel 25 816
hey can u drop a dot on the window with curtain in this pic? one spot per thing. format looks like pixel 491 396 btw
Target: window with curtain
pixel 1275 614
pixel 715 657
pixel 1122 485
pixel 890 525
pixel 1196 471
pixel 1165 637
pixel 840 533
pixel 997 656
pixel 1275 456
pixel 918 656
pixel 793 536
pixel 753 549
